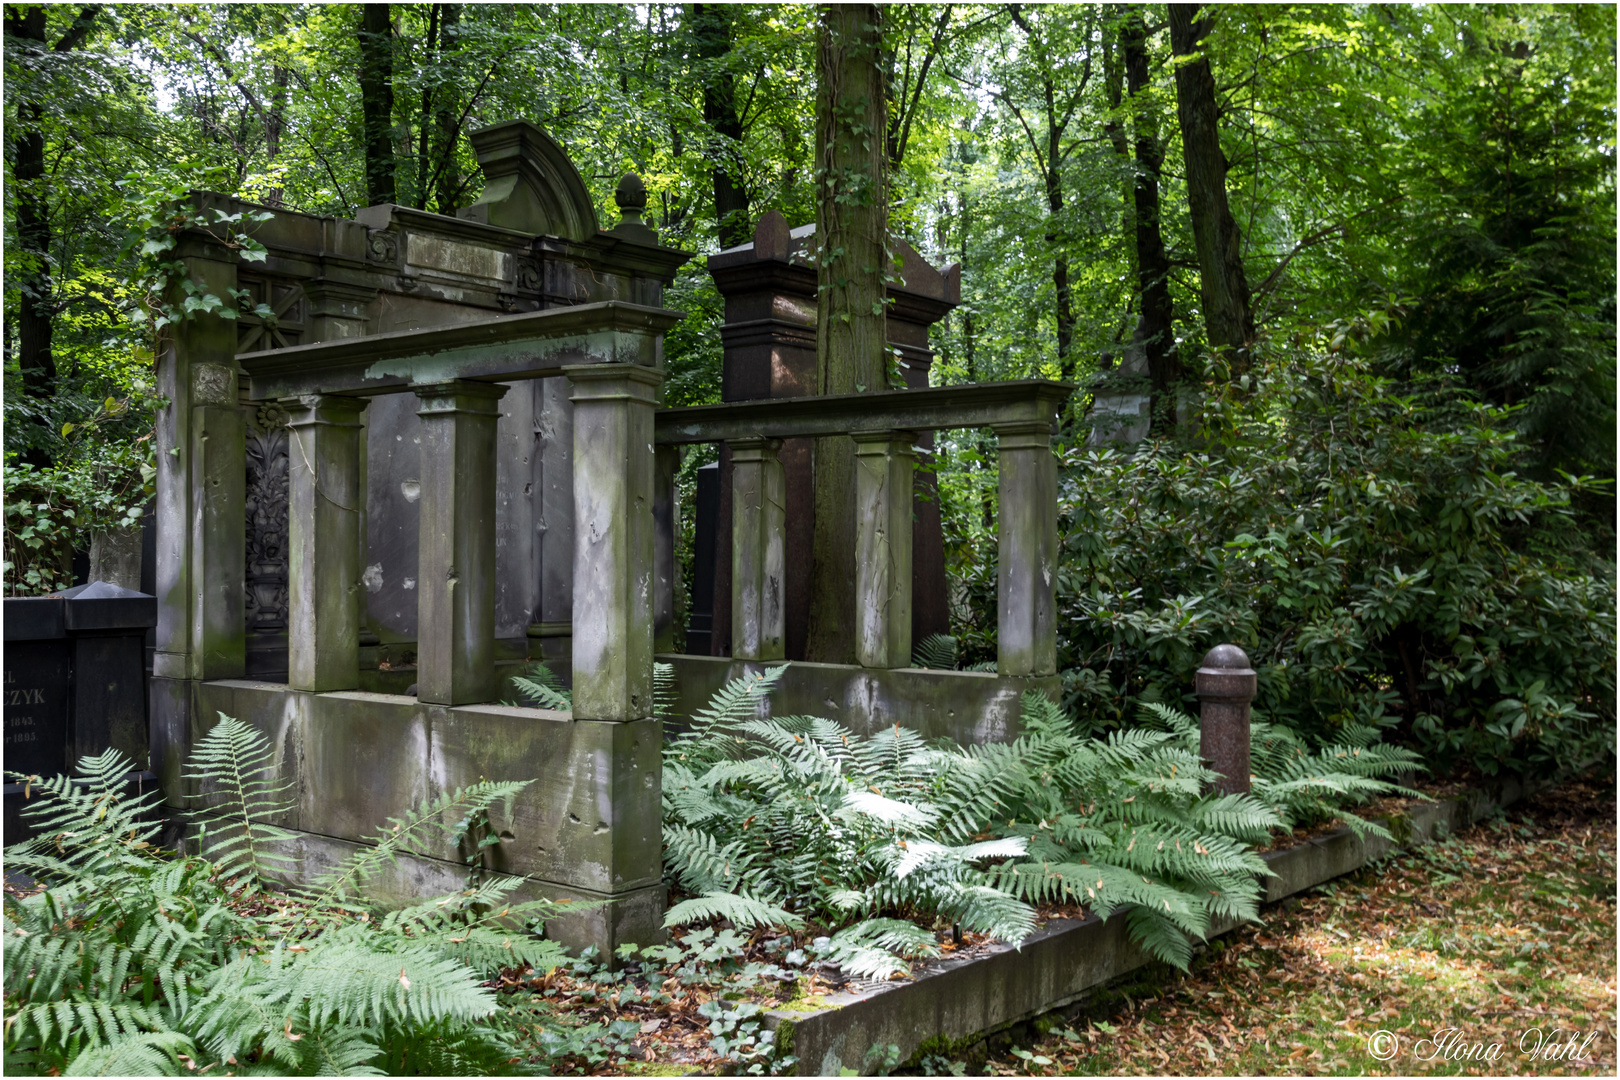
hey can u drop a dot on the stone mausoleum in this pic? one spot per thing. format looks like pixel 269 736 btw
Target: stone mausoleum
pixel 445 456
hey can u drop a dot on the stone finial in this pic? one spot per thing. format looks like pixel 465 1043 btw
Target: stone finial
pixel 631 197
pixel 1225 686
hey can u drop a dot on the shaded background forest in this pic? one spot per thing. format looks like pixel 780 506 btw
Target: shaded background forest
pixel 1390 471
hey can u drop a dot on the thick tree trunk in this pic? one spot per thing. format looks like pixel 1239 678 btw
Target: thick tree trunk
pixel 447 114
pixel 25 30
pixel 1152 262
pixel 1223 288
pixel 377 101
pixel 852 206
pixel 711 31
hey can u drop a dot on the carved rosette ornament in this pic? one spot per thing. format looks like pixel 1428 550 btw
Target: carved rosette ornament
pixel 267 519
pixel 382 246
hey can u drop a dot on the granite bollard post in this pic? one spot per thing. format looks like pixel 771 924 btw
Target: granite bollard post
pixel 883 533
pixel 1225 686
pixel 455 648
pixel 758 550
pixel 325 500
pixel 1026 608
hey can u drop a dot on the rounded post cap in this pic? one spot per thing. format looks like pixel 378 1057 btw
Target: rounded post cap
pixel 631 194
pixel 1226 658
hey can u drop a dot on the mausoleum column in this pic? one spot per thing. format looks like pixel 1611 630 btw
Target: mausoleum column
pixel 325 500
pixel 758 550
pixel 1026 614
pixel 455 644
pixel 613 539
pixel 883 531
pixel 666 528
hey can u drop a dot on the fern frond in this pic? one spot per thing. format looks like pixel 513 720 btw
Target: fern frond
pixel 543 689
pixel 936 651
pixel 236 765
pixel 738 909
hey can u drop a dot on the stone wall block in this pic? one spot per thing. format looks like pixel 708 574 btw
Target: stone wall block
pixel 455 653
pixel 218 544
pixel 613 540
pixel 883 547
pixel 325 502
pixel 1026 610
pixel 758 550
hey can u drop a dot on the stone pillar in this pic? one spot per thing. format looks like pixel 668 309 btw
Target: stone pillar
pixel 613 540
pixel 666 531
pixel 1225 686
pixel 883 544
pixel 1026 610
pixel 758 550
pixel 455 650
pixel 325 501
pixel 200 513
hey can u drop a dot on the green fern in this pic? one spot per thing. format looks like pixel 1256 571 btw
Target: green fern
pixel 237 765
pixel 543 689
pixel 935 651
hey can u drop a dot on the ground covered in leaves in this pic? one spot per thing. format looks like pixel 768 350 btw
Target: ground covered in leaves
pixel 1492 952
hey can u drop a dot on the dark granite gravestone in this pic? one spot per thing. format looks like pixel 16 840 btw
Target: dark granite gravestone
pixel 75 682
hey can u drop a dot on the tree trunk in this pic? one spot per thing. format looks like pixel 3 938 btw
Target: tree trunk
pixel 447 116
pixel 377 101
pixel 1223 288
pixel 711 31
pixel 25 30
pixel 851 349
pixel 1152 263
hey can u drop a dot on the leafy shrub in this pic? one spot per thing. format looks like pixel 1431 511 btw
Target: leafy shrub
pixel 1373 550
pixel 136 961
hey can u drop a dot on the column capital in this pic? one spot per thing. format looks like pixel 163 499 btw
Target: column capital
pixel 883 441
pixel 459 395
pixel 753 448
pixel 329 409
pixel 1024 434
pixel 614 382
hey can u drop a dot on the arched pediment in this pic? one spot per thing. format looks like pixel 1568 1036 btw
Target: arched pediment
pixel 529 184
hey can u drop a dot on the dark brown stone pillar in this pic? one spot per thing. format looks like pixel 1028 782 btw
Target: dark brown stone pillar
pixel 769 336
pixel 1225 686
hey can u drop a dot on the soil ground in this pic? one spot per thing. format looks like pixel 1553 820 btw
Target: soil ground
pixel 1490 953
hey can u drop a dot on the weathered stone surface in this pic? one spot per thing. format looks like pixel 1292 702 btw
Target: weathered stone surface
pixel 758 550
pixel 613 540
pixel 455 648
pixel 666 530
pixel 218 548
pixel 972 707
pixel 325 500
pixel 526 346
pixel 115 557
pixel 1029 401
pixel 590 821
pixel 180 468
pixel 1027 552
pixel 883 535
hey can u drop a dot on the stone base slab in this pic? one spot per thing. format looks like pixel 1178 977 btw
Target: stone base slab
pixel 960 999
pixel 972 707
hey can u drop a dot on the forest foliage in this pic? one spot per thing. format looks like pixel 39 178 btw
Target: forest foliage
pixel 1398 495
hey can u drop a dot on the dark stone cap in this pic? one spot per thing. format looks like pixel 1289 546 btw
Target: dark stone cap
pixel 100 606
pixel 1226 658
pixel 33 618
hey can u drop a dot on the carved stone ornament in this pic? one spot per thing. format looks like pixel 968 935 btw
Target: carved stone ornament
pixel 267 449
pixel 211 385
pixel 529 278
pixel 382 246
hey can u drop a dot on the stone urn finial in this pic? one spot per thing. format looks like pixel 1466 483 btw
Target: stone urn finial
pixel 631 197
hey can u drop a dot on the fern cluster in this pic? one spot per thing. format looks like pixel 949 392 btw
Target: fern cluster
pixel 136 961
pixel 779 820
pixel 1305 786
